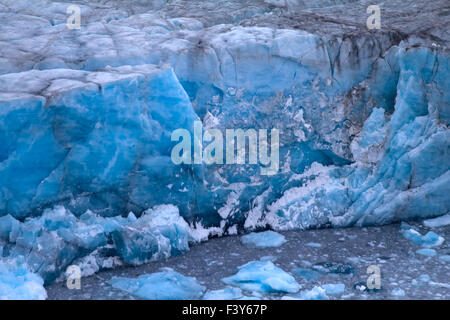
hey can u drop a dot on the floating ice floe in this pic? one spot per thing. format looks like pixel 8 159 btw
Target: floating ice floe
pixel 264 277
pixel 314 244
pixel 228 293
pixel 18 283
pixel 445 257
pixel 316 293
pixel 429 240
pixel 334 288
pixel 398 292
pixel 165 285
pixel 441 221
pixel 307 274
pixel 266 239
pixel 426 252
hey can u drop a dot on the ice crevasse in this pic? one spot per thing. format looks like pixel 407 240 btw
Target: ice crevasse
pixel 86 139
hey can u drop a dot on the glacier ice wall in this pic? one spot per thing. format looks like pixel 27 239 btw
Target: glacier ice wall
pixel 86 118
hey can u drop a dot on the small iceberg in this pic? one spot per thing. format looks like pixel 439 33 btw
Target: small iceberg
pixel 264 277
pixel 165 285
pixel 441 221
pixel 266 239
pixel 227 293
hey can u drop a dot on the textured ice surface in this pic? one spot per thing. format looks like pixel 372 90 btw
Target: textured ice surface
pixel 165 285
pixel 18 283
pixel 334 267
pixel 263 276
pixel 398 292
pixel 228 293
pixel 266 239
pixel 307 274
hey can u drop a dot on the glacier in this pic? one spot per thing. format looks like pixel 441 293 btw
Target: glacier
pixel 165 285
pixel 86 118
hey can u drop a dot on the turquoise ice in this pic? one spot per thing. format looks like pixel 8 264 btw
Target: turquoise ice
pixel 264 277
pixel 164 285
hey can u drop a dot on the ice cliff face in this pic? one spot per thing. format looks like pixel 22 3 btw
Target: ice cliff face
pixel 86 115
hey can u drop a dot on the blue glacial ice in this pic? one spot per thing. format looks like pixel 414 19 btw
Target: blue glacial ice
pixel 159 233
pixel 165 285
pixel 227 293
pixel 266 239
pixel 441 221
pixel 263 277
pixel 50 243
pixel 18 283
pixel 87 129
pixel 316 293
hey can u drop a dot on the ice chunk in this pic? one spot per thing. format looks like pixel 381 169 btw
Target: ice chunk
pixel 438 222
pixel 429 240
pixel 334 267
pixel 18 283
pixel 316 293
pixel 159 233
pixel 228 293
pixel 266 239
pixel 426 252
pixel 445 257
pixel 263 276
pixel 307 274
pixel 165 285
pixel 398 292
pixel 314 244
pixel 334 288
